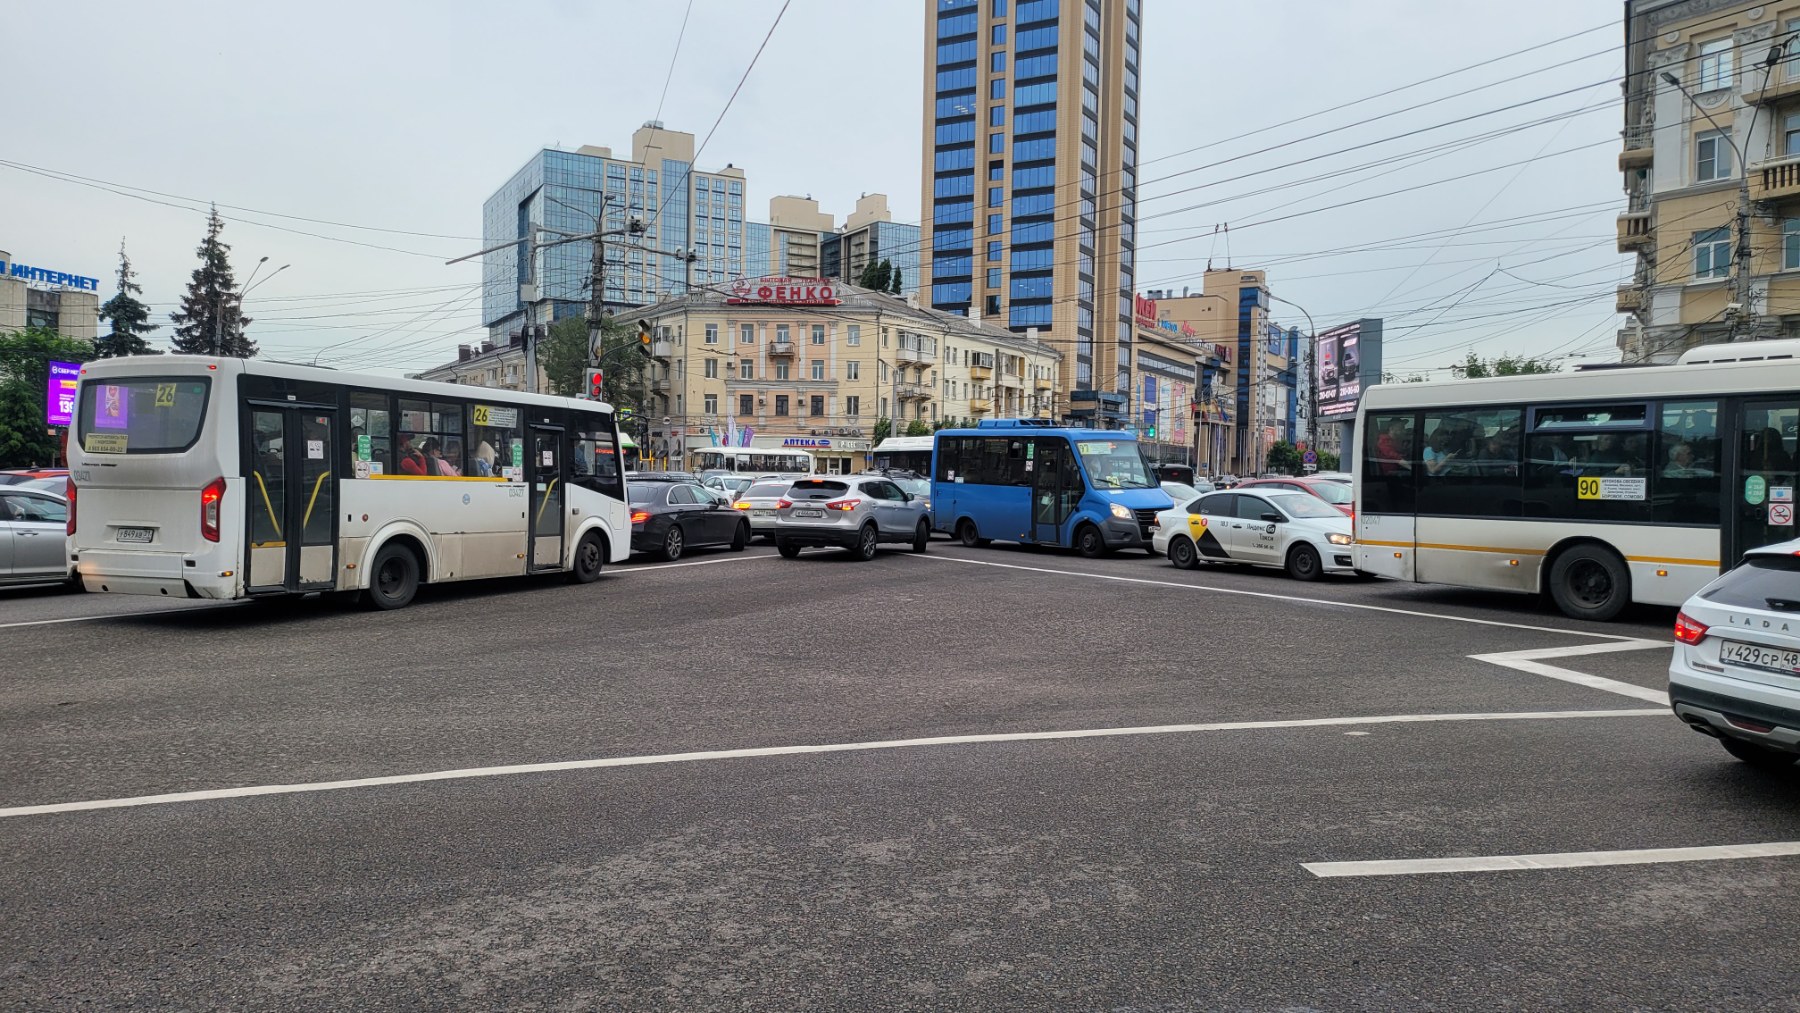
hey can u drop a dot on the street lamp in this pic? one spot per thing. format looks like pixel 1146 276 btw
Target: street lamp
pixel 237 298
pixel 1312 394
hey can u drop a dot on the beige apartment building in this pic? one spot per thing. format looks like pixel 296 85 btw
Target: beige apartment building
pixel 814 363
pixel 1688 160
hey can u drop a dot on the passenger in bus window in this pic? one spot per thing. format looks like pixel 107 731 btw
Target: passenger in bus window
pixel 1394 449
pixel 1437 453
pixel 435 464
pixel 1497 457
pixel 1681 464
pixel 412 462
pixel 483 463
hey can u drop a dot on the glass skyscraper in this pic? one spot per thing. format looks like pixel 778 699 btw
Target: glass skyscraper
pixel 571 191
pixel 1030 175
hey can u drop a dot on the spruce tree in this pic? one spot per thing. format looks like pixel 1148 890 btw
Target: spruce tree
pixel 899 280
pixel 210 321
pixel 129 317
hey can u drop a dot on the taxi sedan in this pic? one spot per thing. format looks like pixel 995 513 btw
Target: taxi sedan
pixel 1296 531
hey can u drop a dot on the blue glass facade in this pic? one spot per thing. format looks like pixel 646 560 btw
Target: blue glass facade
pixel 958 70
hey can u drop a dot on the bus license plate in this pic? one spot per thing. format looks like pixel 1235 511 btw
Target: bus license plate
pixel 809 513
pixel 135 534
pixel 1752 656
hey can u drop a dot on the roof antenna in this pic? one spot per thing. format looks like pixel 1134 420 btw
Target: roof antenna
pixel 1227 246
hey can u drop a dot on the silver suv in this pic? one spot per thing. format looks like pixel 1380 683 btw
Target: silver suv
pixel 855 512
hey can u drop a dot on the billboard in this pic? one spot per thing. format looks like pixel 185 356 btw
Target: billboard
pixel 59 397
pixel 1344 357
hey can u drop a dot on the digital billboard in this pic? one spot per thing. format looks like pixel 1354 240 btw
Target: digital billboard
pixel 1343 357
pixel 59 398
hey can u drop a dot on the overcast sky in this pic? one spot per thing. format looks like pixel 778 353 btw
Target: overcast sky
pixel 403 117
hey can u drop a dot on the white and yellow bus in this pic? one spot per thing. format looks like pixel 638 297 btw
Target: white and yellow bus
pixel 1597 487
pixel 198 477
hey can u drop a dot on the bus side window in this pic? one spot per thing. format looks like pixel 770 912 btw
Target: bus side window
pixel 1685 466
pixel 370 419
pixel 1390 461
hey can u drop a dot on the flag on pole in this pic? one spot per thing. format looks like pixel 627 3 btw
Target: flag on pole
pixel 731 433
pixel 746 436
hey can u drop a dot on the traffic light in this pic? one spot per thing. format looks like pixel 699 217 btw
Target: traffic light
pixel 595 384
pixel 644 338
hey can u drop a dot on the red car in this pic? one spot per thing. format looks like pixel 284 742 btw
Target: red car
pixel 21 475
pixel 1337 494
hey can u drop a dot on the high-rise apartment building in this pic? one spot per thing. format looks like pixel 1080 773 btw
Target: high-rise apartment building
pixel 800 241
pixel 681 208
pixel 1690 154
pixel 1030 174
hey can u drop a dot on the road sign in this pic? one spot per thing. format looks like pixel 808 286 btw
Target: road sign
pixel 1310 457
pixel 1781 515
pixel 1308 469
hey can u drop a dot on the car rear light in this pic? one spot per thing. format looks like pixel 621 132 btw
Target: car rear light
pixel 639 516
pixel 741 505
pixel 843 504
pixel 69 494
pixel 1689 630
pixel 210 498
pixel 783 503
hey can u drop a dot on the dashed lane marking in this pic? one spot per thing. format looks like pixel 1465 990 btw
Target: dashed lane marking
pixel 1560 860
pixel 836 747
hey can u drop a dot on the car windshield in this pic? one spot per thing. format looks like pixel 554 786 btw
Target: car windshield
pixel 916 486
pixel 1114 464
pixel 1302 506
pixel 1332 492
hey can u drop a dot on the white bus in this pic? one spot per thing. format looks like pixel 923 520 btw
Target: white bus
pixel 751 460
pixel 1598 487
pixel 904 453
pixel 198 477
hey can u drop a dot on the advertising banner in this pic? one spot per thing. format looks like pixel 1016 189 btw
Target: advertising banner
pixel 59 398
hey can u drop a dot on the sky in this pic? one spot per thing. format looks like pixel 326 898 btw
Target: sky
pixel 1400 159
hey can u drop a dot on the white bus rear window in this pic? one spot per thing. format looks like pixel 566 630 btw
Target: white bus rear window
pixel 148 415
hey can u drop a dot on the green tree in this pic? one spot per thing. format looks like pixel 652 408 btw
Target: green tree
pixel 25 358
pixel 1283 457
pixel 898 280
pixel 129 317
pixel 918 427
pixel 1475 367
pixel 877 275
pixel 1328 461
pixel 210 320
pixel 884 428
pixel 563 354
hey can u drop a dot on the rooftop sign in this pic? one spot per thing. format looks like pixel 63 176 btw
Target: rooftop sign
pixel 777 291
pixel 26 272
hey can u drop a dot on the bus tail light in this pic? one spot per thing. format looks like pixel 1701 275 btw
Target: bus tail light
pixel 843 504
pixel 210 498
pixel 1689 630
pixel 69 494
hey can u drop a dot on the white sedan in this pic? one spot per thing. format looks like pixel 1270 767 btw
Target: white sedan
pixel 1735 673
pixel 1296 531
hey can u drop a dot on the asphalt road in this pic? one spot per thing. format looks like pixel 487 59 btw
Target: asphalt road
pixel 1215 732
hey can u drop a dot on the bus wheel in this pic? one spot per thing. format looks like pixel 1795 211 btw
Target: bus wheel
pixel 1590 582
pixel 394 578
pixel 1181 553
pixel 588 560
pixel 966 531
pixel 1089 543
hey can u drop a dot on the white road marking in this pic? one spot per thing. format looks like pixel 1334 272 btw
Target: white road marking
pixel 1531 662
pixel 700 562
pixel 1280 597
pixel 1563 860
pixel 122 615
pixel 836 747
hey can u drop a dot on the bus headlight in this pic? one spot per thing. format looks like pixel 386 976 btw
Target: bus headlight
pixel 1121 512
pixel 1337 539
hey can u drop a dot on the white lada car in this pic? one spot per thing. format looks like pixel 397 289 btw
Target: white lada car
pixel 1294 530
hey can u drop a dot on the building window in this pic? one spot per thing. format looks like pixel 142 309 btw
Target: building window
pixel 996 143
pixel 1790 131
pixel 712 334
pixel 1790 244
pixel 996 115
pixel 853 406
pixel 1712 156
pixel 781 404
pixel 998 35
pixel 818 334
pixel 781 334
pixel 817 406
pixel 1712 253
pixel 712 404
pixel 1715 65
pixel 781 371
pixel 818 369
pixel 993 250
pixel 747 334
pixel 853 334
pixel 996 196
pixel 993 277
pixel 746 404
pixel 712 369
pixel 997 61
pixel 997 88
pixel 746 369
pixel 853 370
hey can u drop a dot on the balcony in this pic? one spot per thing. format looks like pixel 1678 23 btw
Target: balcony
pixel 1775 180
pixel 913 391
pixel 662 349
pixel 981 405
pixel 660 385
pixel 1639 149
pixel 1043 383
pixel 915 353
pixel 1634 230
pixel 780 347
pixel 981 366
pixel 1784 83
pixel 1630 299
pixel 1008 378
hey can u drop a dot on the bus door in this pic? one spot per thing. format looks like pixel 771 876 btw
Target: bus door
pixel 1055 488
pixel 290 479
pixel 546 470
pixel 1762 485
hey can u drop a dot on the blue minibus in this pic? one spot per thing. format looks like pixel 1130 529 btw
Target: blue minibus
pixel 1032 481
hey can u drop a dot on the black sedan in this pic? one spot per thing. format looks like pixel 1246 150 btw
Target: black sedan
pixel 670 516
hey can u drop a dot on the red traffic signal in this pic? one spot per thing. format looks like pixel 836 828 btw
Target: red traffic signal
pixel 595 384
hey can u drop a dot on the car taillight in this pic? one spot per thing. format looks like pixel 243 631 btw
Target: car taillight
pixel 783 503
pixel 1689 630
pixel 639 516
pixel 210 498
pixel 741 505
pixel 843 504
pixel 69 494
